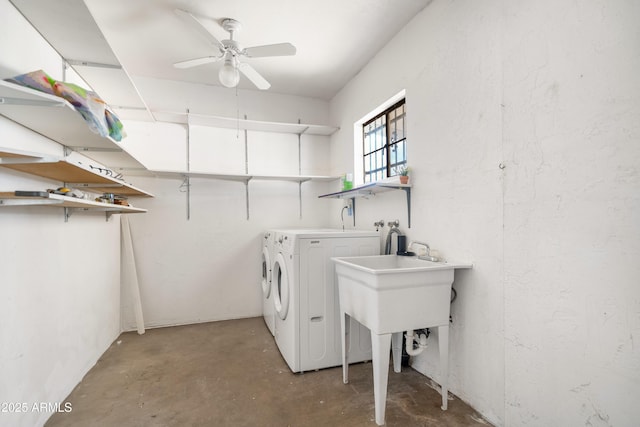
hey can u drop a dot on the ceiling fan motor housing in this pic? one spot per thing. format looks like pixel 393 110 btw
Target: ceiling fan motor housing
pixel 231 46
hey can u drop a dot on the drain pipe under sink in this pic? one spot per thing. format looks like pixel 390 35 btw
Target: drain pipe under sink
pixel 420 339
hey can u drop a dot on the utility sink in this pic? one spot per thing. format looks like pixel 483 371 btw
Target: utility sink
pixel 390 294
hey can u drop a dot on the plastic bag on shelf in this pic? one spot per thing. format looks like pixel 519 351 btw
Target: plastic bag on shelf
pixel 92 108
pixel 116 129
pixel 38 80
pixel 88 104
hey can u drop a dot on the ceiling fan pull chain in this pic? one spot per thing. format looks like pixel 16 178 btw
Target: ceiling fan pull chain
pixel 237 115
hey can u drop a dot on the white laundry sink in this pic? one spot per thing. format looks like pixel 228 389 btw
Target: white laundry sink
pixel 390 294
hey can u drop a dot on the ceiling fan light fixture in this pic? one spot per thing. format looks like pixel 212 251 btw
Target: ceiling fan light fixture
pixel 228 74
pixel 231 51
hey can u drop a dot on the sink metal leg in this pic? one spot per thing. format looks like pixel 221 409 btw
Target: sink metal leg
pixel 345 322
pixel 396 350
pixel 380 347
pixel 443 343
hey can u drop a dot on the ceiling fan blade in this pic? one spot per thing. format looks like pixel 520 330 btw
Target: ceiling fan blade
pixel 195 23
pixel 279 49
pixel 254 76
pixel 197 61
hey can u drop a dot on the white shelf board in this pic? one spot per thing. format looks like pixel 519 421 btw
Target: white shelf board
pixel 236 123
pixel 241 177
pixel 57 200
pixel 58 120
pixel 371 189
pixel 112 159
pixel 184 174
pixel 83 44
pixel 366 190
pixel 295 178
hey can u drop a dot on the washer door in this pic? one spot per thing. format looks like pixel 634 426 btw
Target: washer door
pixel 266 273
pixel 280 282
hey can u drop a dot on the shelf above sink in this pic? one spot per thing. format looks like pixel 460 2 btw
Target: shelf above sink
pixel 370 190
pixel 366 190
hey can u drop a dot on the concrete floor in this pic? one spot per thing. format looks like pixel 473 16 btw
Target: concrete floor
pixel 231 374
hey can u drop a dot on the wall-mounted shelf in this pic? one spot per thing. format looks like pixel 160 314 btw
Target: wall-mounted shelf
pixel 241 177
pixel 243 124
pixel 190 119
pixel 75 174
pixel 42 198
pixel 18 154
pixel 58 120
pixel 84 47
pixel 369 190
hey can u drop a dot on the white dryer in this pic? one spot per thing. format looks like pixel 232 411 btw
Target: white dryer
pixel 305 293
pixel 268 310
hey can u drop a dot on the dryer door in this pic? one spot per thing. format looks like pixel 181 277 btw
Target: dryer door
pixel 281 288
pixel 266 273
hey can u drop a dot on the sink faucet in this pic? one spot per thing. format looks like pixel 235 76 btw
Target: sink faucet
pixel 394 230
pixel 426 246
pixel 427 255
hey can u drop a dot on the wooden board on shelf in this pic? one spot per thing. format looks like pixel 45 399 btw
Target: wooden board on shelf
pixel 41 198
pixel 79 174
pixel 5 154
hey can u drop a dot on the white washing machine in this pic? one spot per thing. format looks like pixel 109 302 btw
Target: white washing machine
pixel 305 296
pixel 268 310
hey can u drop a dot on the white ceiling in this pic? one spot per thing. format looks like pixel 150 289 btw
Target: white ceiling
pixel 334 38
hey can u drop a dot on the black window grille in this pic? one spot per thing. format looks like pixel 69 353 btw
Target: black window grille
pixel 385 143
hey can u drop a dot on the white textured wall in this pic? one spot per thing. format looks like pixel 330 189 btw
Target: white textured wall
pixel 209 267
pixel 60 282
pixel 572 205
pixel 544 325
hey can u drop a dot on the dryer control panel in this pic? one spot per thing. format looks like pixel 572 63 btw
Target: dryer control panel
pixel 284 241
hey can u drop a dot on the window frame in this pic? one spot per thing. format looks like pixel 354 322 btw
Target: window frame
pixel 387 146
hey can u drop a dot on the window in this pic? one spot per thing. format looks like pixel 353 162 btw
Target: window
pixel 385 144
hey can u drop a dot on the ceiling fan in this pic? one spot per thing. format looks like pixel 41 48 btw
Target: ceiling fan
pixel 230 52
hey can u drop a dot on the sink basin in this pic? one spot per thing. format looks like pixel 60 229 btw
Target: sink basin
pixel 389 294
